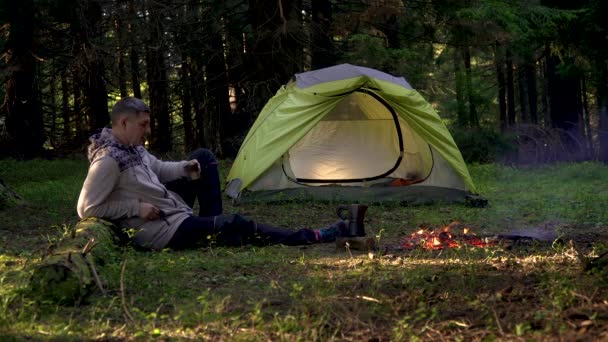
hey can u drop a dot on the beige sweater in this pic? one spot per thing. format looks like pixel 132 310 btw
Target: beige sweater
pixel 120 177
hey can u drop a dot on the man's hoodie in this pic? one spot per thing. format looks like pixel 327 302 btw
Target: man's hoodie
pixel 122 176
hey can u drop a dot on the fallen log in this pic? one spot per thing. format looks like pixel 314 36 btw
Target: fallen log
pixel 68 272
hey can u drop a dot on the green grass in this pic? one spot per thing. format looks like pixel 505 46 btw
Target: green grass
pixel 532 292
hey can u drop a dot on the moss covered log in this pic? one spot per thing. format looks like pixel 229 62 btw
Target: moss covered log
pixel 69 272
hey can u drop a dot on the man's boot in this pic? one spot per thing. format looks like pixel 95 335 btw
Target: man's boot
pixel 355 214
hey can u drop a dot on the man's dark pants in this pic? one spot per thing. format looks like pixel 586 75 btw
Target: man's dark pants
pixel 227 230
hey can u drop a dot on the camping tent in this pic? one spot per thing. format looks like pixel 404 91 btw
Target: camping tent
pixel 349 133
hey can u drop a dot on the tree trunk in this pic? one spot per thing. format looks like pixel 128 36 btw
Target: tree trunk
pixel 563 97
pixel 198 97
pixel 530 73
pixel 24 121
pixel 157 80
pixel 602 103
pixel 199 51
pixel 54 138
pixel 460 90
pixel 510 88
pixel 120 49
pixel 134 52
pixel 92 68
pixel 276 52
pixel 81 118
pixel 238 121
pixel 69 272
pixel 187 106
pixel 523 95
pixel 585 118
pixel 544 99
pixel 500 76
pixel 322 48
pixel 65 108
pixel 135 84
pixel 218 105
pixel 473 118
pixel 392 31
pixel 96 96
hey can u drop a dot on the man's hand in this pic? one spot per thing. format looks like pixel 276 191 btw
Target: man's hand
pixel 193 169
pixel 148 211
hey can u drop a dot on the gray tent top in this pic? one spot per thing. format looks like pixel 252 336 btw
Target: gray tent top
pixel 343 72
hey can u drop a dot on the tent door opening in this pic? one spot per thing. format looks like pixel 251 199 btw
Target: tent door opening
pixel 359 140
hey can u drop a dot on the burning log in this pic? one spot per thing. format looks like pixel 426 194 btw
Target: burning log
pixel 444 238
pixel 69 271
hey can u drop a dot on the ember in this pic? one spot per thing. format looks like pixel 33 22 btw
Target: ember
pixel 444 238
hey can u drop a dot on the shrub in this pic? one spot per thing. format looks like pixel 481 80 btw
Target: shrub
pixel 482 145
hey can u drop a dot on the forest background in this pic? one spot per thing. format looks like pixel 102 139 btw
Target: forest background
pixel 516 81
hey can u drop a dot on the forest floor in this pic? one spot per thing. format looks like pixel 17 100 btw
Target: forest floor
pixel 536 290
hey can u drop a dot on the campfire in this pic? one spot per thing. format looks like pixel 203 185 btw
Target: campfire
pixel 445 237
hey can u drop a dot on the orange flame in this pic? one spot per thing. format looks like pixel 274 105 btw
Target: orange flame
pixel 442 238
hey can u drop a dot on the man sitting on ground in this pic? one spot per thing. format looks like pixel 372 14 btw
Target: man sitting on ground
pixel 131 187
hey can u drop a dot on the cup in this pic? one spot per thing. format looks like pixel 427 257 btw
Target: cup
pixel 193 170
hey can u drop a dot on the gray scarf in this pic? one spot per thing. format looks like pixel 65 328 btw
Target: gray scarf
pixel 105 143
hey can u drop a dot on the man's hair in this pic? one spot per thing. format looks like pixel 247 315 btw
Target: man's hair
pixel 130 106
